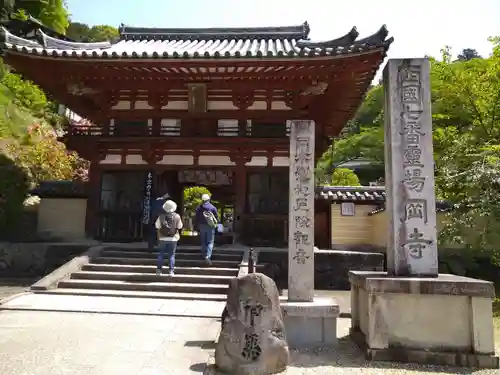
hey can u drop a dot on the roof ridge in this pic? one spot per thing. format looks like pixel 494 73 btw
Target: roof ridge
pixel 271 32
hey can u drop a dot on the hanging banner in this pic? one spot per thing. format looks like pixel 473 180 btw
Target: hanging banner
pixel 147 199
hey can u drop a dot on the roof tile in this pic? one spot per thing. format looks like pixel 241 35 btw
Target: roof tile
pixel 271 42
pixel 366 194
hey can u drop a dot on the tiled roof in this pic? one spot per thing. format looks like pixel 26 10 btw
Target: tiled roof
pixel 270 42
pixel 365 194
pixel 351 193
pixel 441 206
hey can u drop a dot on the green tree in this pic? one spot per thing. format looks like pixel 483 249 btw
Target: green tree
pixel 51 13
pixel 466 134
pixel 99 33
pixel 102 33
pixel 78 31
pixel 192 198
pixel 344 177
pixel 44 158
pixel 26 94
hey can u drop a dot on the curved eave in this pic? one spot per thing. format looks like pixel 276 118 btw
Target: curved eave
pixel 105 55
pixel 268 49
pixel 58 44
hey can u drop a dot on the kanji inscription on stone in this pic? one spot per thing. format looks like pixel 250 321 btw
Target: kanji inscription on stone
pixel 301 212
pixel 411 201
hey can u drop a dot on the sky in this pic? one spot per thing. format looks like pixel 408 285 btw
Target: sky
pixel 419 28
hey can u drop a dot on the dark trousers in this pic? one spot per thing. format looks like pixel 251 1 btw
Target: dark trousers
pixel 167 248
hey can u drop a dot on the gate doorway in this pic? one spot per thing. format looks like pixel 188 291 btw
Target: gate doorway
pixel 121 203
pixel 222 197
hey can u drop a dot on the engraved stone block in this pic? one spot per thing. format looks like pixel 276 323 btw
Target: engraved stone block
pixel 252 340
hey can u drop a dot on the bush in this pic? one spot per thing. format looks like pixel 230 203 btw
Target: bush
pixel 344 177
pixel 26 94
pixel 44 158
pixel 14 187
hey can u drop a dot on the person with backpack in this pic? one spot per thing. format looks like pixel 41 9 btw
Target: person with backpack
pixel 168 225
pixel 155 210
pixel 207 219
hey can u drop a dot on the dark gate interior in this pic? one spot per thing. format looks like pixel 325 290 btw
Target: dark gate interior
pixel 266 211
pixel 120 211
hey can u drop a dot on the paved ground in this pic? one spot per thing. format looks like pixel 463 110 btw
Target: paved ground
pixel 115 305
pixel 50 335
pixel 55 343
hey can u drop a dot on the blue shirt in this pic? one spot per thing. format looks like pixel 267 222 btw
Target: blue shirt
pixel 206 206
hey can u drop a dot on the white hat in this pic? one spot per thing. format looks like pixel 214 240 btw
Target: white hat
pixel 170 206
pixel 205 197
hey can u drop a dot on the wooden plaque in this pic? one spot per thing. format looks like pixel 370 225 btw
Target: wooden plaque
pixel 197 98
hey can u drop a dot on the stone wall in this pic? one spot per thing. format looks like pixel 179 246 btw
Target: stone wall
pixel 330 266
pixel 36 259
pixel 62 218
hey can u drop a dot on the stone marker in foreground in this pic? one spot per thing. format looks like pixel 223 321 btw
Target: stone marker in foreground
pixel 252 341
pixel 411 313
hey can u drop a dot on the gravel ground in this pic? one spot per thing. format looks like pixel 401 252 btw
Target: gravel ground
pixel 347 359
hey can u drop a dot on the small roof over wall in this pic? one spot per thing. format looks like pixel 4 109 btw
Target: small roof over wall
pixel 358 194
pixel 61 189
pixel 374 195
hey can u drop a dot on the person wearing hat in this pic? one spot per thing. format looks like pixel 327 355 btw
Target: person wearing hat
pixel 207 219
pixel 168 224
pixel 156 210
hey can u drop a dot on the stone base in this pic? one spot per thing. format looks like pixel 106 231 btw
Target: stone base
pixel 311 324
pixel 445 320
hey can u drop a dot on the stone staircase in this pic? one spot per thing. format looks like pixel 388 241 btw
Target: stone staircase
pixel 131 272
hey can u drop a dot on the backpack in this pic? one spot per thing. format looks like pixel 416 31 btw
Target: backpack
pixel 210 218
pixel 168 225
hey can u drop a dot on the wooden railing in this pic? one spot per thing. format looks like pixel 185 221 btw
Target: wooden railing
pixel 170 131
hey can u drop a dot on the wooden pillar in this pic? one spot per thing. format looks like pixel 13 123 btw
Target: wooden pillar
pixel 94 193
pixel 240 186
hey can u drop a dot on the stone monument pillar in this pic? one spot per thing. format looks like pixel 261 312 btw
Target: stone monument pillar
pixel 411 313
pixel 309 321
pixel 301 212
pixel 409 170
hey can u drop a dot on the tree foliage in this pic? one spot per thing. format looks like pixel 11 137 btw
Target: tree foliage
pixel 469 54
pixel 51 13
pixel 44 158
pixel 344 177
pixel 192 198
pixel 99 33
pixel 466 134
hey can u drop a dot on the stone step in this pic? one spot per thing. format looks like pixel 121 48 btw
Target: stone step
pixel 180 248
pixel 171 287
pixel 148 277
pixel 213 271
pixel 178 255
pixel 134 294
pixel 152 261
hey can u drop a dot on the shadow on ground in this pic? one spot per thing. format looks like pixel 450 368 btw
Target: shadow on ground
pixel 204 344
pixel 9 287
pixel 347 355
